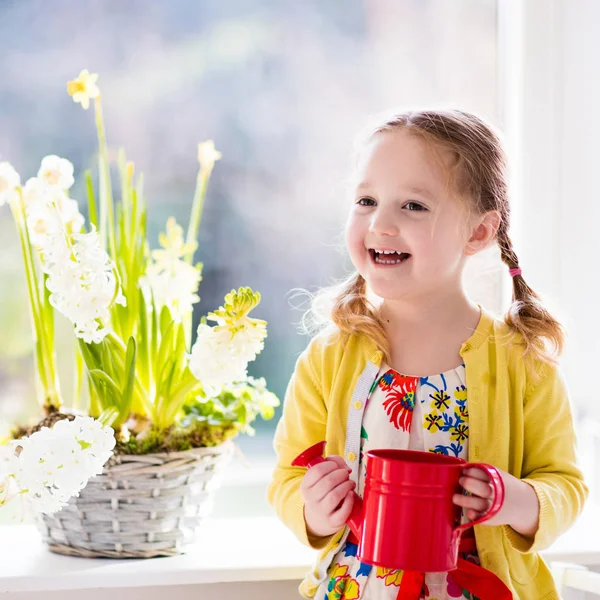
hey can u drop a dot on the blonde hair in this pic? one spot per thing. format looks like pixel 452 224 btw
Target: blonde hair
pixel 479 177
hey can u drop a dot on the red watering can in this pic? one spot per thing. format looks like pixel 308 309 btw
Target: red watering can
pixel 407 519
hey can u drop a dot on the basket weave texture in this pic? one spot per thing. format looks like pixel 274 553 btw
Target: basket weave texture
pixel 140 507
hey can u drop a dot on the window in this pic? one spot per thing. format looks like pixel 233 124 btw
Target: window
pixel 282 87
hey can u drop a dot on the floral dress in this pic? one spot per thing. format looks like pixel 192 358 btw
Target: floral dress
pixel 404 412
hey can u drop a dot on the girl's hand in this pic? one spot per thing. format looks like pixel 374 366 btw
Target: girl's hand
pixel 520 509
pixel 326 491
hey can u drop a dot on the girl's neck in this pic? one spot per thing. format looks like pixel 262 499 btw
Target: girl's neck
pixel 441 311
pixel 426 338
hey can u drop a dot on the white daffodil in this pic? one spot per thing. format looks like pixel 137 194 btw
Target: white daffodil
pixel 9 182
pixel 49 211
pixel 84 88
pixel 56 171
pixel 33 190
pixel 55 464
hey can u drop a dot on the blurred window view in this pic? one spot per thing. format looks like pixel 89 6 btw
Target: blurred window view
pixel 282 87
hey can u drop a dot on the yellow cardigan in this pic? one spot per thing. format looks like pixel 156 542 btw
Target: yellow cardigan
pixel 519 421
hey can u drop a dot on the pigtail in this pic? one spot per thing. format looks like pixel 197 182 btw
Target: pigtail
pixel 347 307
pixel 542 333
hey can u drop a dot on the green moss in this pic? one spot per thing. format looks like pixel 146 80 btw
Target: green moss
pixel 198 435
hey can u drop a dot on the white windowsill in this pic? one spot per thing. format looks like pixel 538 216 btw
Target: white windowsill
pixel 229 550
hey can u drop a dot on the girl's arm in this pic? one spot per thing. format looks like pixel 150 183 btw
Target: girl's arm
pixel 547 499
pixel 302 424
pixel 550 462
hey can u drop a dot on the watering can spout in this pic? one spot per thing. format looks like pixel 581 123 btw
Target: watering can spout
pixel 313 456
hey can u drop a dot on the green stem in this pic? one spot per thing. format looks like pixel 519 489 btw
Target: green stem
pixel 107 210
pixel 78 383
pixel 93 213
pixel 40 310
pixel 197 208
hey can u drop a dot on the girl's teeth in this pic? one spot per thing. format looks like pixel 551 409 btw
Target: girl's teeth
pixel 388 262
pixel 385 257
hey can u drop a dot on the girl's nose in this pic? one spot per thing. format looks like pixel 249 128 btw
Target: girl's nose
pixel 383 223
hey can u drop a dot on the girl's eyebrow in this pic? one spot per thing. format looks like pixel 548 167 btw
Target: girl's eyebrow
pixel 417 190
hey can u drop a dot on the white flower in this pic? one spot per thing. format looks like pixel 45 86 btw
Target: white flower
pixel 247 337
pixel 83 88
pixel 173 281
pixel 212 360
pixel 55 464
pixel 49 211
pixel 174 285
pixel 9 182
pixel 57 171
pixel 208 155
pixel 82 282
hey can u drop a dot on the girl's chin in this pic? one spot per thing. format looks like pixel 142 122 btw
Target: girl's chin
pixel 389 291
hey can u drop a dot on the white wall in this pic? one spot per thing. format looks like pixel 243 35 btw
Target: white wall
pixel 551 97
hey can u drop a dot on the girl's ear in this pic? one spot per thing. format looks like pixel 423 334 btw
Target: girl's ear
pixel 483 232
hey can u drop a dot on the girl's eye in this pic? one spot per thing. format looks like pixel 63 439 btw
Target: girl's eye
pixel 366 202
pixel 414 206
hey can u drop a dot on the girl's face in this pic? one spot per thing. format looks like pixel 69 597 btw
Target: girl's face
pixel 406 234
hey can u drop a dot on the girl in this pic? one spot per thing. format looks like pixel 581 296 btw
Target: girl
pixel 425 368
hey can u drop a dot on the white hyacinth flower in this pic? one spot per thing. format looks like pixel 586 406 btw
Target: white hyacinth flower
pixel 221 353
pixel 173 281
pixel 82 282
pixel 212 359
pixel 55 464
pixel 10 180
pixel 56 171
pixel 247 339
pixel 175 286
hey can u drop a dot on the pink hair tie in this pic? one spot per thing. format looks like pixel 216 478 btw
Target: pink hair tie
pixel 515 272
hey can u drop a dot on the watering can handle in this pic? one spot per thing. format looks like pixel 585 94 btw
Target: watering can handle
pixel 313 456
pixel 498 487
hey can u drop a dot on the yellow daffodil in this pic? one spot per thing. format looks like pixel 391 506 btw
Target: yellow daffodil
pixel 83 88
pixel 208 155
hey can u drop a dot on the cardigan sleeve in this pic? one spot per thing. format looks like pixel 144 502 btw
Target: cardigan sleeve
pixel 303 423
pixel 550 462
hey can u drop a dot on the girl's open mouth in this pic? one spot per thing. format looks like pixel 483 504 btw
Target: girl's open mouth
pixel 388 257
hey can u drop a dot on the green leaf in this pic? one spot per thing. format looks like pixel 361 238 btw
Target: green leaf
pixel 108 358
pixel 166 347
pixel 154 336
pixel 108 416
pixel 166 319
pixel 127 392
pixel 108 392
pixel 92 210
pixel 90 353
pixel 143 361
pixel 180 353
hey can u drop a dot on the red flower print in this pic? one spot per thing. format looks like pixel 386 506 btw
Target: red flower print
pixel 400 398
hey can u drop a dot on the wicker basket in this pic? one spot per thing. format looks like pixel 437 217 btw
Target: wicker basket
pixel 140 507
